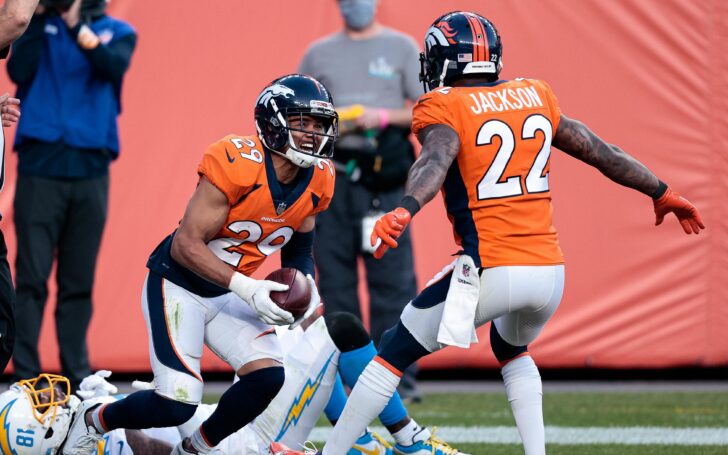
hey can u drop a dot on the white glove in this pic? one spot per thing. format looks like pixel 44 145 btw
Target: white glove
pixel 312 305
pixel 256 293
pixel 96 386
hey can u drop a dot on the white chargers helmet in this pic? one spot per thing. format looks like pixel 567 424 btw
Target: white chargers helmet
pixel 35 415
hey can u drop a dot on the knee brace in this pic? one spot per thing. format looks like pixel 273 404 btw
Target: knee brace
pixel 346 330
pixel 502 350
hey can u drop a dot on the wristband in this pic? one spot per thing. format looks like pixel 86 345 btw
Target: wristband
pixel 383 118
pixel 410 204
pixel 661 188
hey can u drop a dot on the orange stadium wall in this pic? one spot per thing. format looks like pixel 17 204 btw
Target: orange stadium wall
pixel 648 75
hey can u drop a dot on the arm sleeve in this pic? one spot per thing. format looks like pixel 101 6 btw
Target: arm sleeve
pixel 297 253
pixel 25 58
pixel 111 61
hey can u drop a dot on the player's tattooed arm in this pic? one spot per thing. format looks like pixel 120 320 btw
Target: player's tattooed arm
pixel 440 145
pixel 141 443
pixel 577 140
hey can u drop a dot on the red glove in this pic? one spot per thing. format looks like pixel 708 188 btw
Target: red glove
pixel 685 212
pixel 388 228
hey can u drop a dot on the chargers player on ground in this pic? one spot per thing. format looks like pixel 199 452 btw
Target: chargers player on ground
pixel 486 144
pixel 36 414
pixel 256 195
pixel 317 356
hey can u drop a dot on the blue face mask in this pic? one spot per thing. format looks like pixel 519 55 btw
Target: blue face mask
pixel 358 14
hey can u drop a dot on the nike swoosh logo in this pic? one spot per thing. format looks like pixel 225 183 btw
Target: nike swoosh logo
pixel 365 450
pixel 230 158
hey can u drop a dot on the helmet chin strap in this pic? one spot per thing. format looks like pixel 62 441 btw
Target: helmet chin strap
pixel 297 158
pixel 445 66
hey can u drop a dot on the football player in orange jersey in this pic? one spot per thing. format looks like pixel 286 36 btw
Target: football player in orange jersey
pixel 486 144
pixel 256 195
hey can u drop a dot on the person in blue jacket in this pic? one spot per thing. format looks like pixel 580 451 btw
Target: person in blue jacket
pixel 68 67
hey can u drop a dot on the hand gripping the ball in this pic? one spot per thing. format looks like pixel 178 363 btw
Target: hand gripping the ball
pixel 313 304
pixel 256 293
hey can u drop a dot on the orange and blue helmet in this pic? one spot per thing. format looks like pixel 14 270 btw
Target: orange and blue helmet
pixel 459 44
pixel 295 95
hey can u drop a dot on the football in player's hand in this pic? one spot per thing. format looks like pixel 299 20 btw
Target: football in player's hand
pixel 297 297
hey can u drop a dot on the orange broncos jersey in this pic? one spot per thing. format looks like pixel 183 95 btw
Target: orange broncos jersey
pixel 497 191
pixel 262 218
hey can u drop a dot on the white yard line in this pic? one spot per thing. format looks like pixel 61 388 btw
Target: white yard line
pixel 573 435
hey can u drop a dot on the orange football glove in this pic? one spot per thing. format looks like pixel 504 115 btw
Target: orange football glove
pixel 685 212
pixel 388 228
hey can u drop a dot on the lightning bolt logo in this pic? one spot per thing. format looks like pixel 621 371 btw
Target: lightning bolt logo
pixel 303 399
pixel 5 430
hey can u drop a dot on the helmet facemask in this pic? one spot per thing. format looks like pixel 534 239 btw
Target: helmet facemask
pixel 35 415
pixel 277 133
pixel 47 393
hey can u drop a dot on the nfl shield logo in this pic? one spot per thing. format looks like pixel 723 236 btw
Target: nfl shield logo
pixel 466 270
pixel 281 208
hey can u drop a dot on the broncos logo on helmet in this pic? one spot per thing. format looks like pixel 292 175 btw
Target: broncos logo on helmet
pixel 274 90
pixel 440 33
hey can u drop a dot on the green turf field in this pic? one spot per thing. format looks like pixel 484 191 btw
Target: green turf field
pixel 620 414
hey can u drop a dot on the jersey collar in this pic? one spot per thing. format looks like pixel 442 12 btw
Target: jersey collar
pixel 282 202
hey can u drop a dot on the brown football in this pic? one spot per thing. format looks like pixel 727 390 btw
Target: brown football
pixel 297 297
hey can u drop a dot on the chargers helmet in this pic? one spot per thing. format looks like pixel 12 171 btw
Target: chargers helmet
pixel 291 95
pixel 457 44
pixel 35 415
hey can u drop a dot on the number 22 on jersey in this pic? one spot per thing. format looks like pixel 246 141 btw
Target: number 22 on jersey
pixel 493 185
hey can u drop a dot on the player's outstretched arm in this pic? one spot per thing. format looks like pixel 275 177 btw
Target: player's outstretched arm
pixel 440 145
pixel 577 140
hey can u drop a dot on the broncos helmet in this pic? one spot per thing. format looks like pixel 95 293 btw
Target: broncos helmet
pixel 457 44
pixel 35 415
pixel 295 95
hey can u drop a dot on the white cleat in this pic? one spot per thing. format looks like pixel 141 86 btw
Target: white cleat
pixel 82 439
